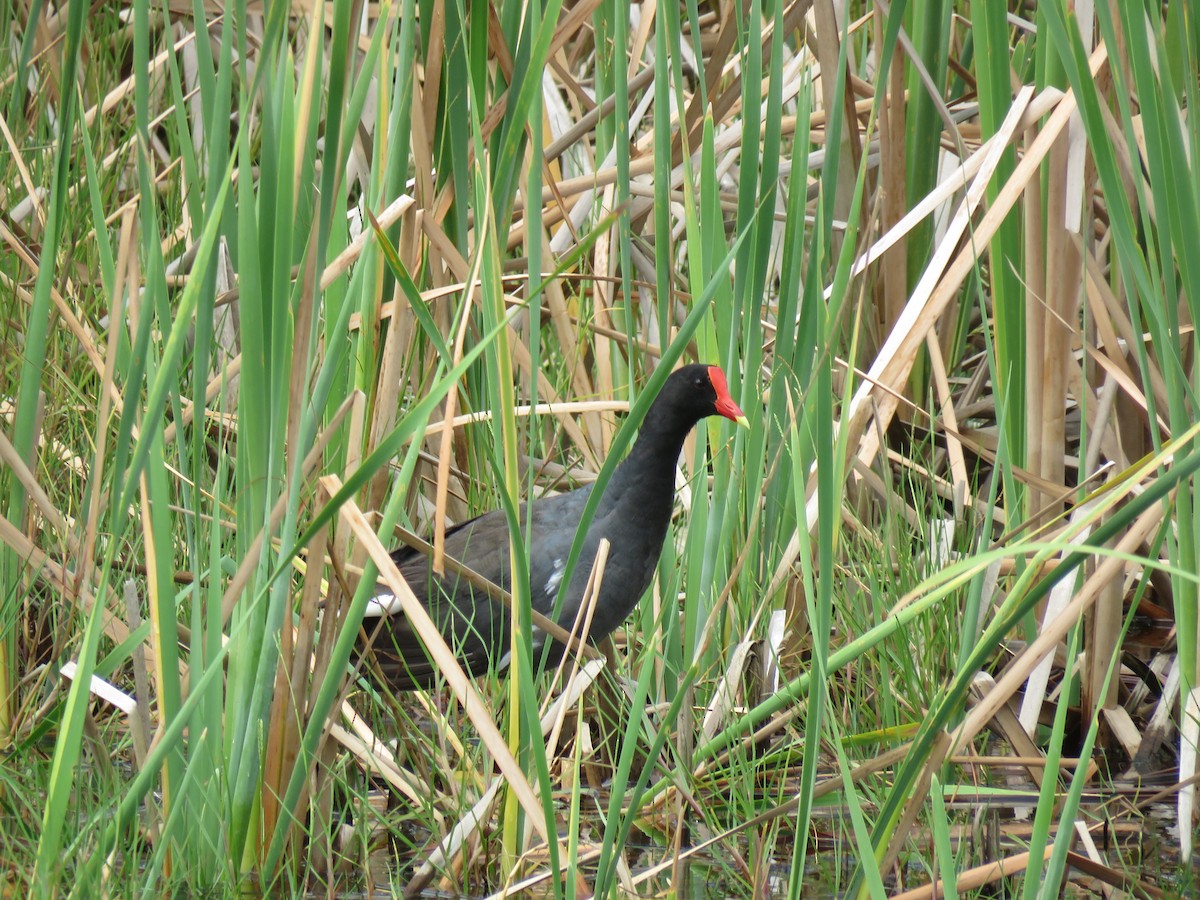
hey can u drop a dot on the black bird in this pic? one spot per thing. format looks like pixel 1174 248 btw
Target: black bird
pixel 633 515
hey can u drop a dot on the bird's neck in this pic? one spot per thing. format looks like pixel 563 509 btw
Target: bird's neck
pixel 649 469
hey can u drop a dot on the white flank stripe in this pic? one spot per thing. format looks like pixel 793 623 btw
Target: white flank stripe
pixel 555 578
pixel 382 605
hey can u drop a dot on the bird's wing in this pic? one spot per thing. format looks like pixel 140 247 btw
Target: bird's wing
pixel 469 621
pixel 555 520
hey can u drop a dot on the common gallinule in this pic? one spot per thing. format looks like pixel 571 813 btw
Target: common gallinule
pixel 633 515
